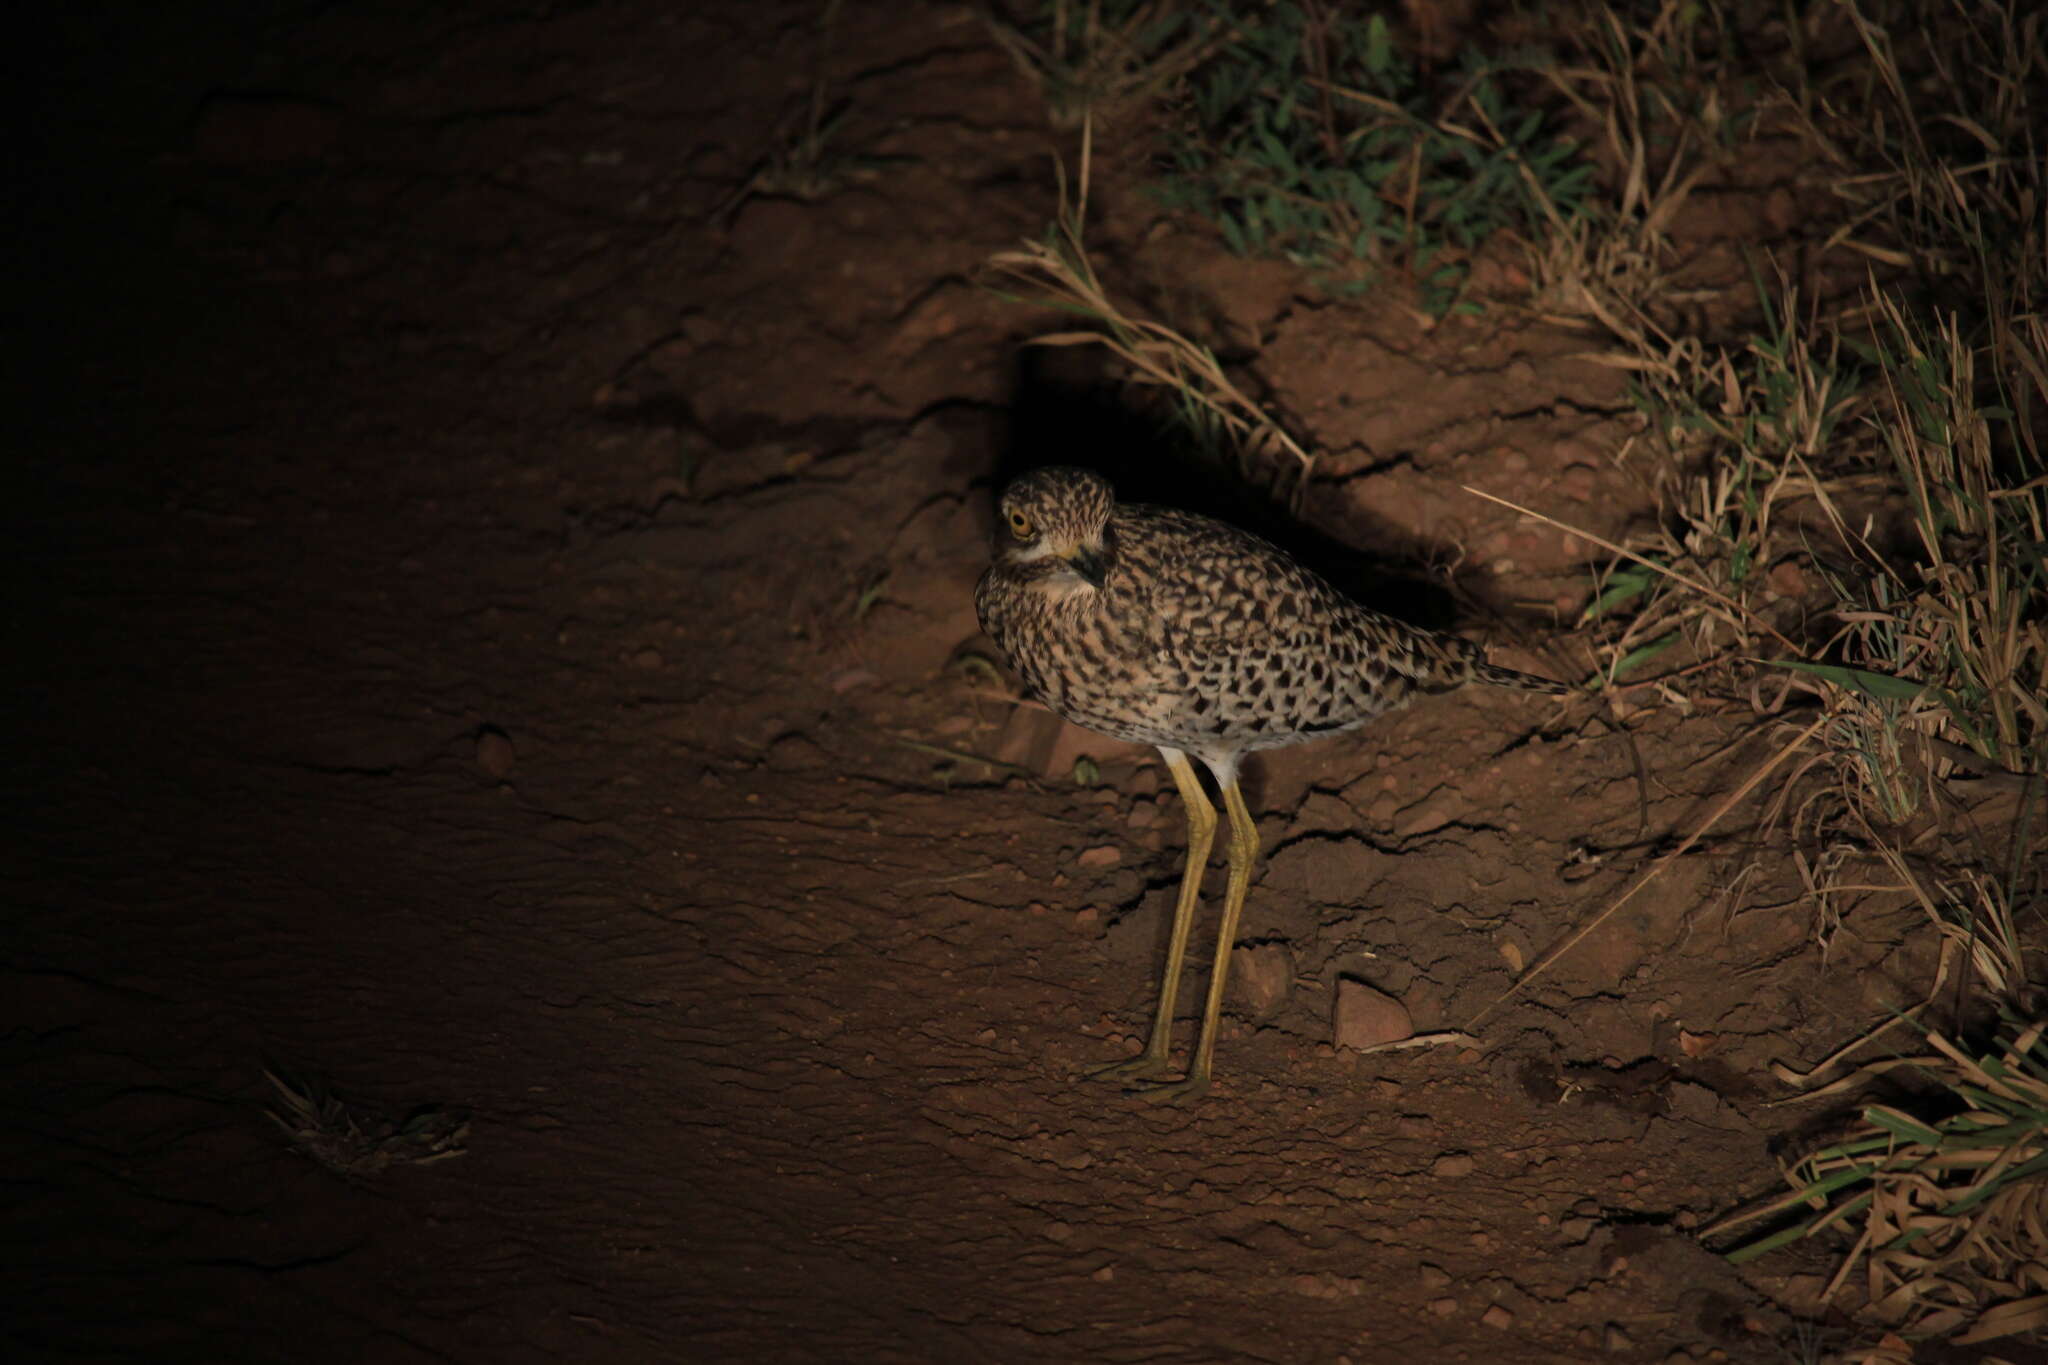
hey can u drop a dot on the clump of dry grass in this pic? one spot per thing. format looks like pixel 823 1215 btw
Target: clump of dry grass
pixel 1055 272
pixel 1949 1215
pixel 1091 59
pixel 1880 470
pixel 353 1141
pixel 1662 125
pixel 1928 652
pixel 1923 410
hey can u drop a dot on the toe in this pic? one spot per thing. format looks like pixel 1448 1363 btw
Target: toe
pixel 1171 1092
pixel 1145 1066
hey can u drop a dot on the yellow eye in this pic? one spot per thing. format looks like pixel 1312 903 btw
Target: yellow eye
pixel 1021 527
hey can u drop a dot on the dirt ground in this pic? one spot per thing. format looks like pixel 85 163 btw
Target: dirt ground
pixel 487 615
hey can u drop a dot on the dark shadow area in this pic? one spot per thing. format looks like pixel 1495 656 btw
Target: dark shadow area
pixel 1068 409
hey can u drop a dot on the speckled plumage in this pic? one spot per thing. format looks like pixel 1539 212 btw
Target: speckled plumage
pixel 1166 628
pixel 1202 637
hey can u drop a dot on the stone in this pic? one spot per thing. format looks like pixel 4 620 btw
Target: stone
pixel 1262 977
pixel 1363 1017
pixel 494 753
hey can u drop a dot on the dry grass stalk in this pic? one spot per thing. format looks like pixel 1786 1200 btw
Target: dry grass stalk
pixel 1572 940
pixel 1731 611
pixel 1055 272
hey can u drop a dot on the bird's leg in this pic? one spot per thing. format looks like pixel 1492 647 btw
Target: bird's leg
pixel 1243 852
pixel 1151 1063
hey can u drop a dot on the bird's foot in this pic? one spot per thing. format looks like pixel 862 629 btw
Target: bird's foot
pixel 1171 1092
pixel 1146 1066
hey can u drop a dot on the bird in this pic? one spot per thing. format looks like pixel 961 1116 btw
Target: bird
pixel 1158 626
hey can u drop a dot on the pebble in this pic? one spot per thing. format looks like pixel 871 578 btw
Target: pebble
pixel 1262 976
pixel 1363 1017
pixel 494 753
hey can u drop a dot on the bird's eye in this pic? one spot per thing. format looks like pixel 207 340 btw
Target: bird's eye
pixel 1021 527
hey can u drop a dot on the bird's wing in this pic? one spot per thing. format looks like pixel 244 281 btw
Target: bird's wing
pixel 1201 580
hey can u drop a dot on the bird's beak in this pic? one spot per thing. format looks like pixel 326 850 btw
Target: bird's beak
pixel 1091 564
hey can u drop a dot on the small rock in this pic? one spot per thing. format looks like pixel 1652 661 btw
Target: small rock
pixel 1362 1017
pixel 1087 918
pixel 1262 977
pixel 1104 1275
pixel 1803 1294
pixel 1452 1166
pixel 1102 855
pixel 1616 1341
pixel 1497 1316
pixel 1443 1308
pixel 1786 580
pixel 846 679
pixel 1580 482
pixel 494 753
pixel 1435 1277
pixel 1143 815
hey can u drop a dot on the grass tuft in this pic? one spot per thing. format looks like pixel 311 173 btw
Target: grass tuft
pixel 1945 1210
pixel 1092 59
pixel 1054 272
pixel 1312 137
pixel 356 1142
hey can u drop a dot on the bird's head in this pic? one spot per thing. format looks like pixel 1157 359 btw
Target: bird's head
pixel 1053 524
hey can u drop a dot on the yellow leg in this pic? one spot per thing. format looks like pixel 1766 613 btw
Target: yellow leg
pixel 1151 1064
pixel 1244 851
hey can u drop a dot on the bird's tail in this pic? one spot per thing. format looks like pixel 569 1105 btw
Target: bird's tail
pixel 1444 663
pixel 1496 676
